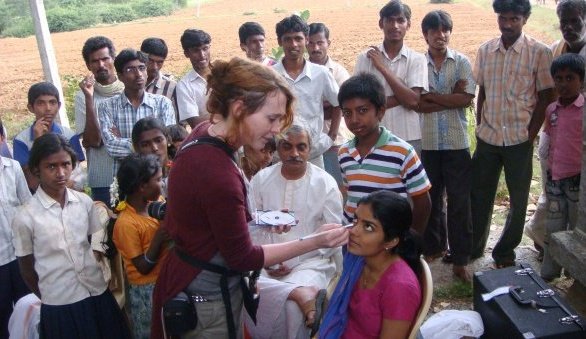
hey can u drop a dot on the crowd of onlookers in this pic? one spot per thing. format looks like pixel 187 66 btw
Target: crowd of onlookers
pixel 399 124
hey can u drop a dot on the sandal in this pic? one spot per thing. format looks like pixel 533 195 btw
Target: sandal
pixel 315 305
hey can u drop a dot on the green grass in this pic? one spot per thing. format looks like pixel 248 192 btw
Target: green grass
pixel 15 122
pixel 70 86
pixel 456 290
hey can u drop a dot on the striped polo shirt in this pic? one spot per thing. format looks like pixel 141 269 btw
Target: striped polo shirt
pixel 391 164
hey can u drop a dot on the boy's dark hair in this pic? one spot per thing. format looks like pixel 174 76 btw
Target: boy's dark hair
pixel 1 129
pixel 155 46
pixel 96 43
pixel 364 86
pixel 291 24
pixel 47 145
pixel 147 124
pixel 135 169
pixel 127 55
pixel 194 38
pixel 395 7
pixel 177 132
pixel 570 61
pixel 435 20
pixel 522 7
pixel 249 29
pixel 42 88
pixel 571 5
pixel 319 27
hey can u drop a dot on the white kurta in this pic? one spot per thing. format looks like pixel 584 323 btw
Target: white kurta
pixel 315 199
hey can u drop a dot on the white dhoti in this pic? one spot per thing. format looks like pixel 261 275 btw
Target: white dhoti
pixel 315 199
pixel 278 317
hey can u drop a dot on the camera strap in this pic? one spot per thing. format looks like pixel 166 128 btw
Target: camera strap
pixel 210 141
pixel 250 301
pixel 224 273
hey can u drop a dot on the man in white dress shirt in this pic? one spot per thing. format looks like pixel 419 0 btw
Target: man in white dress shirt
pixel 191 89
pixel 401 70
pixel 314 198
pixel 311 84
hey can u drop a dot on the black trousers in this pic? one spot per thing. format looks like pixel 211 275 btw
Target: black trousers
pixel 450 172
pixel 487 164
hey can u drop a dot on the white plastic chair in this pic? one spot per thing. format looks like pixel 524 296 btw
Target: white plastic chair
pixel 426 282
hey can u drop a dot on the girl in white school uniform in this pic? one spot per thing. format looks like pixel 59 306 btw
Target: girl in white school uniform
pixel 51 234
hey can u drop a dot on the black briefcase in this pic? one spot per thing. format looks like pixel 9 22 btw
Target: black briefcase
pixel 527 308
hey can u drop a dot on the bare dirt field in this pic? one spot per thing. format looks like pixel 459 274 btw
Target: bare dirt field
pixel 353 25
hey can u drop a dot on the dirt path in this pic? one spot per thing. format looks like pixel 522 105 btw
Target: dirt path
pixel 353 25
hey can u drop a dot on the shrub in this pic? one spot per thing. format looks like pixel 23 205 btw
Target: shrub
pixel 115 13
pixel 146 8
pixel 16 22
pixel 19 27
pixel 64 19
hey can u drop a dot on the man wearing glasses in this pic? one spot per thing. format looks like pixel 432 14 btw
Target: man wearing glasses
pixel 119 114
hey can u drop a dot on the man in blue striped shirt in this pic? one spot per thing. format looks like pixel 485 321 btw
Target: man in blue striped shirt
pixel 119 114
pixel 445 146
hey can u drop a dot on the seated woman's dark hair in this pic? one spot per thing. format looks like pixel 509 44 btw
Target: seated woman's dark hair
pixel 47 145
pixel 136 169
pixel 393 211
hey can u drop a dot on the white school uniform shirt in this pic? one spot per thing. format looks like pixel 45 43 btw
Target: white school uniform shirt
pixel 411 68
pixel 58 239
pixel 191 96
pixel 13 193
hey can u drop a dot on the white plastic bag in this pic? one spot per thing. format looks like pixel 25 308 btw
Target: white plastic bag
pixel 452 324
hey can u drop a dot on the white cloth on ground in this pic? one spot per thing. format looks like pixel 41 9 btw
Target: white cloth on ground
pixel 453 324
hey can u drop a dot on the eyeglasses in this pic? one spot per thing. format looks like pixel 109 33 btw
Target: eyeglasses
pixel 134 69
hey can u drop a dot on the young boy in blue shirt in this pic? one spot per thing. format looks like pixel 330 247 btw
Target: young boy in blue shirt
pixel 44 103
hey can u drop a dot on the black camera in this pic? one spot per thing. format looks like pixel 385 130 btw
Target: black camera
pixel 157 209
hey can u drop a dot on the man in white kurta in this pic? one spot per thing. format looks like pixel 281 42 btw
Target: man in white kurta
pixel 313 195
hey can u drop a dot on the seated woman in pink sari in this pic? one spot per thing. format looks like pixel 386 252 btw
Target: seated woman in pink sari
pixel 378 294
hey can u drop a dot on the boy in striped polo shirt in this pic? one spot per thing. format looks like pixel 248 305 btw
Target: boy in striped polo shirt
pixel 376 159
